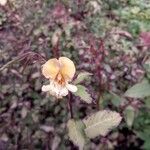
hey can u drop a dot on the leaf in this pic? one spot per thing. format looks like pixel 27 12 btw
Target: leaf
pixel 144 135
pixel 146 145
pixel 101 123
pixel 123 33
pixel 82 76
pixel 135 10
pixel 129 114
pixel 115 99
pixel 139 90
pixel 147 102
pixel 76 133
pixel 47 128
pixel 55 37
pixel 55 143
pixel 134 27
pixel 147 68
pixel 145 38
pixel 83 94
pixel 24 112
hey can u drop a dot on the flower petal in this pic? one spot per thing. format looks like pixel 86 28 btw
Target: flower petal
pixel 46 88
pixel 51 68
pixel 55 89
pixel 3 2
pixel 71 87
pixel 67 68
pixel 64 91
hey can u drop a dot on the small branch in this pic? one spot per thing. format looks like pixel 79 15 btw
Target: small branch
pixel 70 104
pixel 30 56
pixel 25 65
pixel 100 87
pixel 99 72
pixel 18 58
pixel 9 63
pixel 56 51
pixel 30 140
pixel 48 141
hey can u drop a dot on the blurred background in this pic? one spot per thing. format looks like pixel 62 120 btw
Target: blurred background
pixel 108 38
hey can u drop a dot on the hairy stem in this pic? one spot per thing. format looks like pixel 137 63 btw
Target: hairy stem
pixel 100 87
pixel 70 104
pixel 56 51
pixel 99 71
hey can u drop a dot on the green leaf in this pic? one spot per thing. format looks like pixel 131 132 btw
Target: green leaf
pixel 82 76
pixel 144 135
pixel 147 102
pixel 129 114
pixel 134 27
pixel 115 99
pixel 83 94
pixel 101 123
pixel 135 10
pixel 147 68
pixel 146 145
pixel 139 90
pixel 76 133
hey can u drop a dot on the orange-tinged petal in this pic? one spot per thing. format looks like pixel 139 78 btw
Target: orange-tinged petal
pixel 51 68
pixel 67 68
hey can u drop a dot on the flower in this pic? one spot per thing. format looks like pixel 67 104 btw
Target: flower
pixel 3 2
pixel 59 72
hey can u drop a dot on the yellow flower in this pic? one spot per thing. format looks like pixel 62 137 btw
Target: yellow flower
pixel 59 72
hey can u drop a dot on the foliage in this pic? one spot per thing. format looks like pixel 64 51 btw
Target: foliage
pixel 101 122
pixel 76 133
pixel 83 94
pixel 81 77
pixel 140 90
pixel 109 42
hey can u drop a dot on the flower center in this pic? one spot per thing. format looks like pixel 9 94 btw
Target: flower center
pixel 60 79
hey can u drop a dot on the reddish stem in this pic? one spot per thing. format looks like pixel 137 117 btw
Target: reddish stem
pixel 56 52
pixel 70 104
